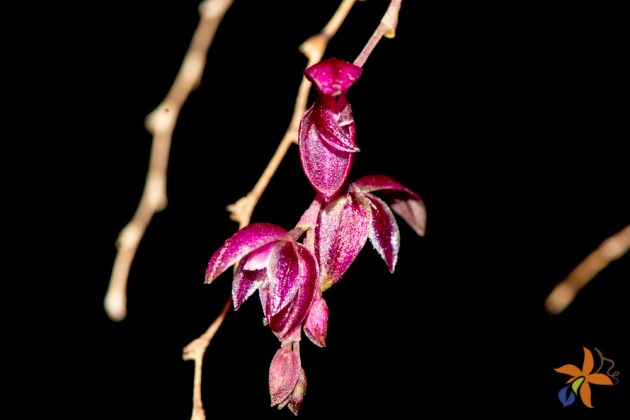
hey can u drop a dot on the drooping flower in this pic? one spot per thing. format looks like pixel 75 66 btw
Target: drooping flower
pixel 327 130
pixel 287 379
pixel 581 379
pixel 270 260
pixel 345 224
pixel 316 325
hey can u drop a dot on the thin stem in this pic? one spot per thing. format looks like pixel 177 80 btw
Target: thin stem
pixel 387 28
pixel 565 291
pixel 195 352
pixel 337 19
pixel 161 123
pixel 241 211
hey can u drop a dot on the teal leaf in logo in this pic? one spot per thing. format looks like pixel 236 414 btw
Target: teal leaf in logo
pixel 566 396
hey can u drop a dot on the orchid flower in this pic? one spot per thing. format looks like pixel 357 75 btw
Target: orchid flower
pixel 291 276
pixel 346 222
pixel 287 379
pixel 327 130
pixel 269 259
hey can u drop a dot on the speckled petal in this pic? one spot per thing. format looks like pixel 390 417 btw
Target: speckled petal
pixel 259 259
pixel 404 202
pixel 382 183
pixel 339 237
pixel 326 167
pixel 327 131
pixel 333 76
pixel 245 283
pixel 316 325
pixel 283 271
pixel 384 233
pixel 243 242
pixel 287 323
pixel 295 402
pixel 284 373
pixel 263 293
pixel 336 123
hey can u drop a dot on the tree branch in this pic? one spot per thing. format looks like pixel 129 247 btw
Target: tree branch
pixel 611 249
pixel 161 123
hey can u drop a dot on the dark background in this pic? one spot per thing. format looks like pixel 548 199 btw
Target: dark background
pixel 509 122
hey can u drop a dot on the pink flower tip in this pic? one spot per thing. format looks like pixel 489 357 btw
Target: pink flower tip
pixel 333 76
pixel 316 325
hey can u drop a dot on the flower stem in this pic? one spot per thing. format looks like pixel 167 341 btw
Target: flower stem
pixel 387 28
pixel 195 352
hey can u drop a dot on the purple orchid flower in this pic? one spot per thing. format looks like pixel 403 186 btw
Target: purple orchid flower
pixel 345 224
pixel 270 260
pixel 287 379
pixel 290 276
pixel 327 130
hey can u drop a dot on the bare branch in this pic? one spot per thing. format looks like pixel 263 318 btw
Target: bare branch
pixel 161 123
pixel 611 249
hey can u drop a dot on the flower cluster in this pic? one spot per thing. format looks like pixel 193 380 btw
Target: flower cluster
pixel 292 269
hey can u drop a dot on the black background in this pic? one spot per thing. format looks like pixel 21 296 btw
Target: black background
pixel 509 122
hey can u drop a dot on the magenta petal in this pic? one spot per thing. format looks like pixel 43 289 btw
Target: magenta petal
pixel 384 233
pixel 339 237
pixel 413 212
pixel 286 324
pixel 283 271
pixel 263 293
pixel 327 131
pixel 259 259
pixel 245 283
pixel 316 325
pixel 333 76
pixel 404 202
pixel 326 167
pixel 383 183
pixel 284 374
pixel 337 128
pixel 240 244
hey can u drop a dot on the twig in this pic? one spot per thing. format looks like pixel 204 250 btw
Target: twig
pixel 161 123
pixel 241 211
pixel 611 249
pixel 195 352
pixel 387 28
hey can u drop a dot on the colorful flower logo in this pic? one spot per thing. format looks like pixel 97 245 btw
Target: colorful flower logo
pixel 580 380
